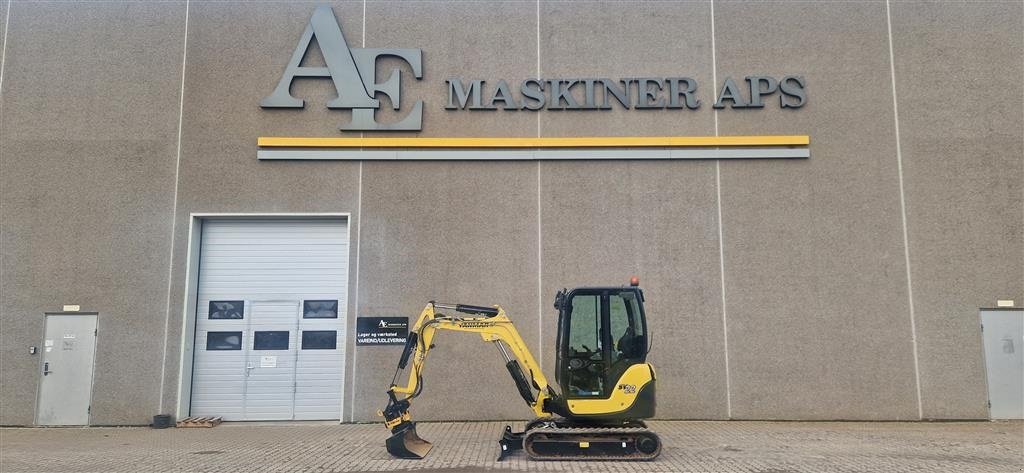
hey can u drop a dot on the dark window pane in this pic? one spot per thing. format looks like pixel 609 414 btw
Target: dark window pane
pixel 320 309
pixel 226 309
pixel 277 340
pixel 223 341
pixel 319 340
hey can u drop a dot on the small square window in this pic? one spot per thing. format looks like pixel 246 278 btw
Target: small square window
pixel 216 341
pixel 320 309
pixel 226 309
pixel 276 340
pixel 319 339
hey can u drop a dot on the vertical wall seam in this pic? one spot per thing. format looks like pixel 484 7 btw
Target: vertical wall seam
pixel 540 247
pixel 721 239
pixel 540 277
pixel 359 250
pixel 3 62
pixel 174 212
pixel 3 52
pixel 355 302
pixel 903 212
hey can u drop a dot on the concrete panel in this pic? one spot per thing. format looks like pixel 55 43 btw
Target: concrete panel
pixel 467 40
pixel 815 283
pixel 236 54
pixel 88 144
pixel 958 71
pixel 452 232
pixel 602 223
pixel 618 40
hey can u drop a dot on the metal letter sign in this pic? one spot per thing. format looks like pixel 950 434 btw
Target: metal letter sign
pixel 353 72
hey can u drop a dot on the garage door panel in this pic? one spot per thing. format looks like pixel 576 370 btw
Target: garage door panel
pixel 272 266
pixel 317 373
pixel 318 381
pixel 281 254
pixel 307 412
pixel 278 295
pixel 271 274
pixel 278 285
pixel 313 368
pixel 288 258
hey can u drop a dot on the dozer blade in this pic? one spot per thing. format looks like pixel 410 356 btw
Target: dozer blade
pixel 405 443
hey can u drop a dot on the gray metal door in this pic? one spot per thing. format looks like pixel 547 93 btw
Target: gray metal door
pixel 1003 334
pixel 65 386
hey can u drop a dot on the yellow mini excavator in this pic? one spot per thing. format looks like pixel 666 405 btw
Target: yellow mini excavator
pixel 606 385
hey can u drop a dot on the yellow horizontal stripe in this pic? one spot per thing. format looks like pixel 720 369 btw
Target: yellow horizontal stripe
pixel 588 142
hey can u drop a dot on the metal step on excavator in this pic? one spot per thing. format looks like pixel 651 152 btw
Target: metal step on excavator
pixel 606 387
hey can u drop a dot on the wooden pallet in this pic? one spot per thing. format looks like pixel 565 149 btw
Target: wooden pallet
pixel 198 422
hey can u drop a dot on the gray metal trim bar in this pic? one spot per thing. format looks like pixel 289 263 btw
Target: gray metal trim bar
pixel 530 155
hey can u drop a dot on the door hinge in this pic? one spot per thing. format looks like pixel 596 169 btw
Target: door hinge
pixel 88 410
pixel 982 327
pixel 95 332
pixel 989 404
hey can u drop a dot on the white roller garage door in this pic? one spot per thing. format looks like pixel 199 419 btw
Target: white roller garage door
pixel 270 319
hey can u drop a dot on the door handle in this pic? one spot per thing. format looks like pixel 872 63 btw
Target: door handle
pixel 46 368
pixel 248 367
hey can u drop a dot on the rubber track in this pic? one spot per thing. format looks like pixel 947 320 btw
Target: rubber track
pixel 610 431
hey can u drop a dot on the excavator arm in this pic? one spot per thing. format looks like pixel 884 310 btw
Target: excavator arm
pixel 493 325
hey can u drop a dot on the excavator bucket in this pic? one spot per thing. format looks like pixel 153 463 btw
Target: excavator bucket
pixel 405 443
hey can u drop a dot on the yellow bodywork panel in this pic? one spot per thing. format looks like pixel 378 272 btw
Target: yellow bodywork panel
pixel 623 396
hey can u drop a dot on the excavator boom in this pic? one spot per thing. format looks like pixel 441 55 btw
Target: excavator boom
pixel 494 326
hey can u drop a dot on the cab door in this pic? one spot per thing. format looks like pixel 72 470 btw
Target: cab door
pixel 583 353
pixel 602 332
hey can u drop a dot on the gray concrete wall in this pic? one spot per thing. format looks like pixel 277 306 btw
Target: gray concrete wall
pixel 605 221
pixel 816 300
pixel 963 168
pixel 775 289
pixel 88 139
pixel 226 75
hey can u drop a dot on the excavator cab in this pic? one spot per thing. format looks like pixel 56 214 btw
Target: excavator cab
pixel 602 334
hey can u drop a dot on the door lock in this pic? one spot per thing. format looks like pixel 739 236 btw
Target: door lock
pixel 46 368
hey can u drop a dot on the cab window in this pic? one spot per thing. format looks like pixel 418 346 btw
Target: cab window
pixel 629 343
pixel 585 357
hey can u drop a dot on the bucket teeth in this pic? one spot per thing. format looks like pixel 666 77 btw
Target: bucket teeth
pixel 405 443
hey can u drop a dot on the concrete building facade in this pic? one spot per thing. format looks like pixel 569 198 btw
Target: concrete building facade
pixel 844 285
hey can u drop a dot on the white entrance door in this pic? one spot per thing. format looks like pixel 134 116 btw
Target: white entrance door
pixel 65 386
pixel 1003 335
pixel 270 319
